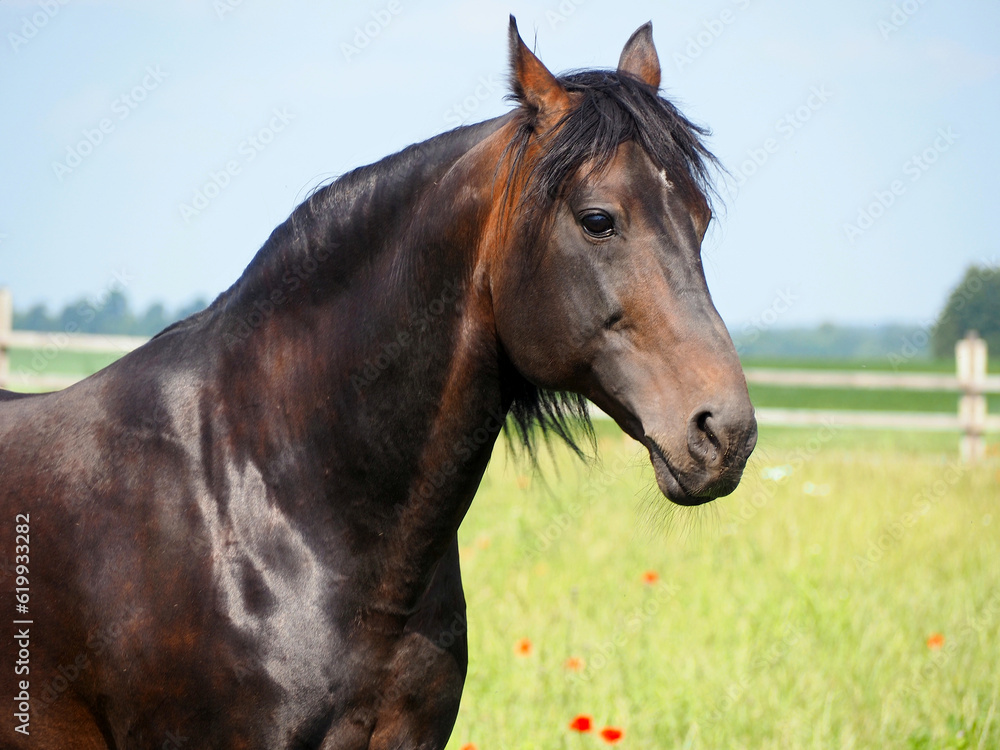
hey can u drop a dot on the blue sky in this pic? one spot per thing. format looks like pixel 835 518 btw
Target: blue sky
pixel 862 138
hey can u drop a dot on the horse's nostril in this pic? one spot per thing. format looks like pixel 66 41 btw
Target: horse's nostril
pixel 704 424
pixel 721 435
pixel 703 440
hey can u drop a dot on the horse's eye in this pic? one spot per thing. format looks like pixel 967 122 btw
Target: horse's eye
pixel 597 224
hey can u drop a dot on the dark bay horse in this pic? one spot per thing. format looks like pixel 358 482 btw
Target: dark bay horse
pixel 243 534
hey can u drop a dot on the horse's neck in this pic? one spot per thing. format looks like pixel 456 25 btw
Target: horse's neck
pixel 350 225
pixel 387 380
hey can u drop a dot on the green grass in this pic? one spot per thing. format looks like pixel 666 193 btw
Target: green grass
pixel 863 400
pixel 56 361
pixel 793 614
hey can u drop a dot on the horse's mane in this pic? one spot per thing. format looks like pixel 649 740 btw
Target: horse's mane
pixel 612 109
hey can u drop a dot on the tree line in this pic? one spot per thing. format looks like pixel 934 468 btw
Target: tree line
pixel 973 305
pixel 110 315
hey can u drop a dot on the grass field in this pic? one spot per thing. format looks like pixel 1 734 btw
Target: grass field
pixel 804 611
pixel 58 362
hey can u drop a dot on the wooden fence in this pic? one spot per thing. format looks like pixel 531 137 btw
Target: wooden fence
pixel 970 380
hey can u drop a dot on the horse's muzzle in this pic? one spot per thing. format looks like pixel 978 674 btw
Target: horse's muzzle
pixel 719 442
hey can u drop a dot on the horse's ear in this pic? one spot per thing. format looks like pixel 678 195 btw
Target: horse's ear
pixel 639 58
pixel 533 85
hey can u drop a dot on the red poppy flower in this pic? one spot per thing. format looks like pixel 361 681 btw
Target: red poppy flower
pixel 582 723
pixel 469 746
pixel 524 647
pixel 575 664
pixel 650 577
pixel 612 735
pixel 935 641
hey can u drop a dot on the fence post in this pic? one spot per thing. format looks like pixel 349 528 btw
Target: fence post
pixel 6 325
pixel 970 360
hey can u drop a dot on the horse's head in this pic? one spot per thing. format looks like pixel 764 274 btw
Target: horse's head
pixel 601 290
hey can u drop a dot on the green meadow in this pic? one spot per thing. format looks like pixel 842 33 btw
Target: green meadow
pixel 55 361
pixel 847 595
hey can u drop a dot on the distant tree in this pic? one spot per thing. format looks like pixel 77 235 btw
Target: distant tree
pixel 114 316
pixel 76 317
pixel 973 305
pixel 111 315
pixel 36 319
pixel 152 321
pixel 196 305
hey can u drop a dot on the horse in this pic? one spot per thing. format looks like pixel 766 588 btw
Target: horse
pixel 243 534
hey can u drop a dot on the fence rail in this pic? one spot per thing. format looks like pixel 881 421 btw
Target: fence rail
pixel 970 381
pixel 865 380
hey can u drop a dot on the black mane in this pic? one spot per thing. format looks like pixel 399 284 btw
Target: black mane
pixel 613 109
